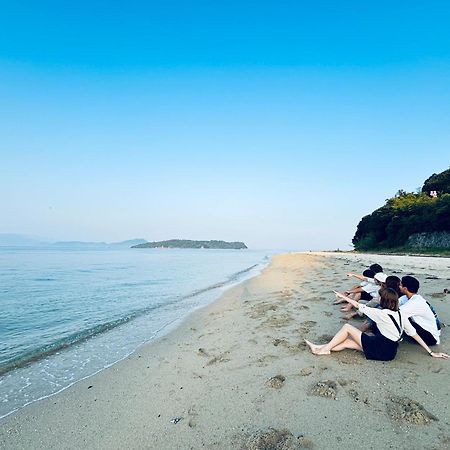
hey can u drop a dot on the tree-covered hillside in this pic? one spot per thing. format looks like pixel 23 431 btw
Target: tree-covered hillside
pixel 406 215
pixel 184 243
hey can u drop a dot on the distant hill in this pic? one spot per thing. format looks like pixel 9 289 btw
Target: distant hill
pixel 21 240
pixel 410 220
pixel 94 245
pixel 183 243
pixel 129 243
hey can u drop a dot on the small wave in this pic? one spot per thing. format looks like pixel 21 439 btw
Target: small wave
pixel 231 279
pixel 239 274
pixel 75 338
pixel 44 279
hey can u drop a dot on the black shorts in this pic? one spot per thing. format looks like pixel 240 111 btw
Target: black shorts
pixel 427 337
pixel 378 347
pixel 366 296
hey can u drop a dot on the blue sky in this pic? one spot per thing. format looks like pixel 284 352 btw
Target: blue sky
pixel 277 123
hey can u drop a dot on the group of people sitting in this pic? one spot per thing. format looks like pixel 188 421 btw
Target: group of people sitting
pixel 392 309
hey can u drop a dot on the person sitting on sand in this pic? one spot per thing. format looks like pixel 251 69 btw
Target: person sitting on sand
pixel 416 309
pixel 366 280
pixel 392 281
pixel 368 274
pixel 368 287
pixel 380 279
pixel 383 345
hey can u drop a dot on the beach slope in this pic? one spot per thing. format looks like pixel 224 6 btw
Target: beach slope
pixel 237 374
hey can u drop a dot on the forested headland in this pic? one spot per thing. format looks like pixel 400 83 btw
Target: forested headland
pixel 410 221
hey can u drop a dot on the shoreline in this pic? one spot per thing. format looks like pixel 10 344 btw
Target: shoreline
pixel 236 366
pixel 220 289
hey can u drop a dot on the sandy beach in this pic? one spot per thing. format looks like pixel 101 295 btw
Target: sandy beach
pixel 237 374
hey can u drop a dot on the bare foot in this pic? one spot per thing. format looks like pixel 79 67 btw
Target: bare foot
pixel 321 351
pixel 317 349
pixel 312 346
pixel 346 308
pixel 349 316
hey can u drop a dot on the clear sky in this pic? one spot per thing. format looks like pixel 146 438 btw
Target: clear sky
pixel 278 123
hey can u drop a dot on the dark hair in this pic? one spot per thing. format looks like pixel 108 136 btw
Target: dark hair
pixel 411 283
pixel 393 282
pixel 376 268
pixel 369 273
pixel 389 299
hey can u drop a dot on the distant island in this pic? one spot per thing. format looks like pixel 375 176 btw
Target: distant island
pixel 183 243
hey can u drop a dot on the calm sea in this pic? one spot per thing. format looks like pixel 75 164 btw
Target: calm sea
pixel 66 314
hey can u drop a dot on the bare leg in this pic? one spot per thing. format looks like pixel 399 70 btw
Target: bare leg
pixel 347 308
pixel 346 332
pixel 350 315
pixel 354 295
pixel 338 300
pixel 313 347
pixel 348 343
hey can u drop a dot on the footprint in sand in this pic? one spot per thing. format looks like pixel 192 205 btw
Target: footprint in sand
pixel 327 389
pixel 214 359
pixel 302 307
pixel 262 309
pixel 219 359
pixel 278 322
pixel 271 438
pixel 306 371
pixel 349 357
pixel 305 327
pixel 357 397
pixel 276 382
pixel 263 361
pixel 276 342
pixel 403 409
pixel 192 417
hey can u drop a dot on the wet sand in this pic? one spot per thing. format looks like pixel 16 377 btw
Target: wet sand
pixel 237 374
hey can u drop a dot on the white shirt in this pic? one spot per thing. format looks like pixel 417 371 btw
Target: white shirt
pixel 385 324
pixel 417 308
pixel 371 289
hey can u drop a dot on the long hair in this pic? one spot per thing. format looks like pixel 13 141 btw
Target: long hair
pixel 389 299
pixel 393 282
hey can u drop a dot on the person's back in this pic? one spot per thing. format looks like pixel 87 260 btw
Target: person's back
pixel 414 307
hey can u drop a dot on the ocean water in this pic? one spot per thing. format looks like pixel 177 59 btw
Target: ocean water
pixel 67 314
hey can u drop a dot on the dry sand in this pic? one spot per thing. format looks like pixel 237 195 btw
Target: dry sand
pixel 238 375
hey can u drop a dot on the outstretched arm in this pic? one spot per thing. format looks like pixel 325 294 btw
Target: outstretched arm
pixel 421 342
pixel 347 299
pixel 357 275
